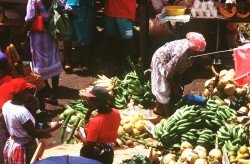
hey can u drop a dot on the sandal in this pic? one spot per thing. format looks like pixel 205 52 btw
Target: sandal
pixel 68 69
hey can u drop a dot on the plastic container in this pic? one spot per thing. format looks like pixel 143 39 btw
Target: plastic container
pixel 194 99
pixel 175 10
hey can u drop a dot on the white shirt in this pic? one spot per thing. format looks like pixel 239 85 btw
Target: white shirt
pixel 15 116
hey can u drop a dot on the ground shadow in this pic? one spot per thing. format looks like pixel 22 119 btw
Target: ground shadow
pixel 67 93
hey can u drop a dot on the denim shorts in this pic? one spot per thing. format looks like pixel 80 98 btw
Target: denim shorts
pixel 118 27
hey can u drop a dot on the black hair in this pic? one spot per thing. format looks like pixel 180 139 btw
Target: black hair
pixel 17 99
pixel 5 36
pixel 102 105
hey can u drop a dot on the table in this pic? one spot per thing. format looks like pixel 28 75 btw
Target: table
pixel 219 20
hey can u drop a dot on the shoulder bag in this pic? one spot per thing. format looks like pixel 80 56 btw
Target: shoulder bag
pixel 37 24
pixel 59 24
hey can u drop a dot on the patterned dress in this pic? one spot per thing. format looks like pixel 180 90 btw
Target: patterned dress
pixel 169 60
pixel 45 51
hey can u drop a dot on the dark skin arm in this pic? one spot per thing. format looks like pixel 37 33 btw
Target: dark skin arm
pixel 33 132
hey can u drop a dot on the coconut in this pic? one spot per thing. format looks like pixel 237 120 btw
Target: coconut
pixel 243 110
pixel 241 91
pixel 198 147
pixel 248 97
pixel 215 154
pixel 216 92
pixel 200 161
pixel 186 153
pixel 201 154
pixel 230 89
pixel 169 157
pixel 223 73
pixel 206 92
pixel 128 128
pixel 209 83
pixel 243 150
pixel 186 145
pixel 222 83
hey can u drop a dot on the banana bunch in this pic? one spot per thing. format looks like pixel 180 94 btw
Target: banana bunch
pixel 170 131
pixel 206 138
pixel 191 136
pixel 120 100
pixel 194 124
pixel 88 89
pixel 231 132
pixel 108 83
pixel 132 88
pixel 216 114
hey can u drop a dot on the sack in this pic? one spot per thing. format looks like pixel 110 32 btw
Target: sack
pixel 37 24
pixel 59 24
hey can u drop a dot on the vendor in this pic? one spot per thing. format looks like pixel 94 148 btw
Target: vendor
pixel 168 64
pixel 101 130
pixel 20 123
pixel 4 78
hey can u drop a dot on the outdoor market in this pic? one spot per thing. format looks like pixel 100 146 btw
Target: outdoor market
pixel 125 82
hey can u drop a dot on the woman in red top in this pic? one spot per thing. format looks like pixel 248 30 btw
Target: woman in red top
pixel 101 130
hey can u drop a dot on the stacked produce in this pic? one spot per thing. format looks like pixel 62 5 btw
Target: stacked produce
pixel 223 86
pixel 103 81
pixel 190 155
pixel 73 115
pixel 240 155
pixel 133 88
pixel 132 131
pixel 199 126
pixel 232 136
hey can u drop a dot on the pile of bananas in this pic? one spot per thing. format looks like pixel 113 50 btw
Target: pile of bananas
pixel 132 88
pixel 103 81
pixel 194 124
pixel 206 138
pixel 231 135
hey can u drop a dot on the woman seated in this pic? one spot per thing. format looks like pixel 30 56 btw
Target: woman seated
pixel 101 130
pixel 20 123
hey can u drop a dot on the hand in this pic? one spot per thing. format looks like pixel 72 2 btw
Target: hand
pixel 55 125
pixel 78 133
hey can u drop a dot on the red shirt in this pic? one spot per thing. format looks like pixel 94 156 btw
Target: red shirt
pixel 103 127
pixel 4 94
pixel 120 8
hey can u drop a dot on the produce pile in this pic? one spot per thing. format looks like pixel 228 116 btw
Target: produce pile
pixel 135 86
pixel 193 155
pixel 194 124
pixel 73 117
pixel 103 81
pixel 132 132
pixel 222 85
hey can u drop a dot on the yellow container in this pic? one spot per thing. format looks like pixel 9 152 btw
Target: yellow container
pixel 175 10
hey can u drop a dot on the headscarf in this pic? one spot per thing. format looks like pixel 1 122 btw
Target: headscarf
pixel 196 41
